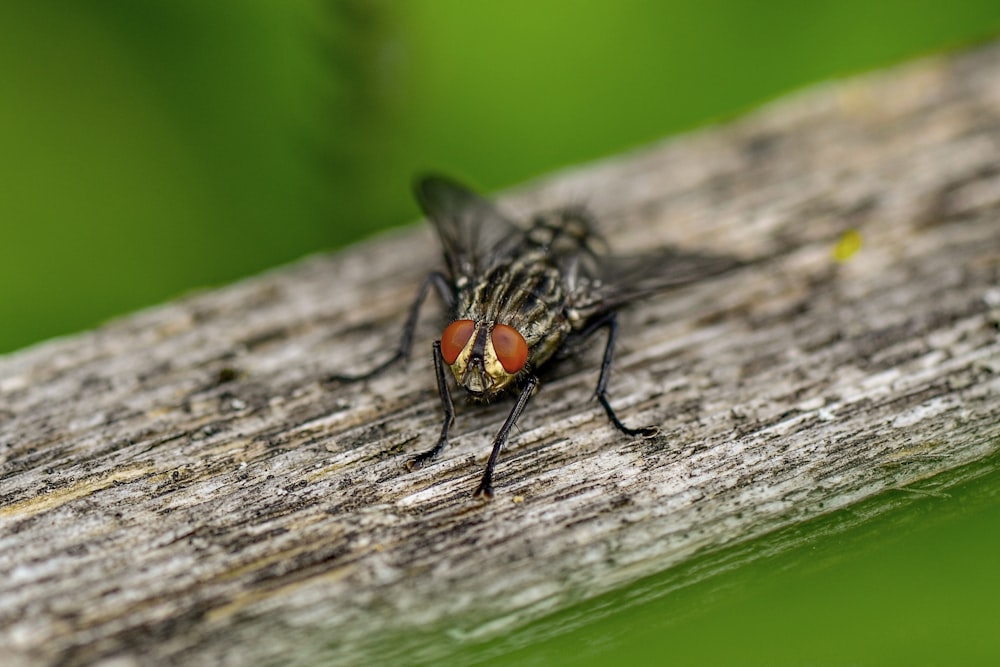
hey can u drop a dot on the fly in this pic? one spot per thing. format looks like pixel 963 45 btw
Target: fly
pixel 518 295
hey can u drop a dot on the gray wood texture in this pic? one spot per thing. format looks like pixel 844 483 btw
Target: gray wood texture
pixel 181 486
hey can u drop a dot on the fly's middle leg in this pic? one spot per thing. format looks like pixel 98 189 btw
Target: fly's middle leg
pixel 610 322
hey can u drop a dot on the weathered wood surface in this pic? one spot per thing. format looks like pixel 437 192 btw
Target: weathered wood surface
pixel 181 486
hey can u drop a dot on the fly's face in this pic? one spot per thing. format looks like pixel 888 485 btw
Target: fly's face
pixel 485 357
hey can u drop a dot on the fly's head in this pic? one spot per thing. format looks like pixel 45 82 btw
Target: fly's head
pixel 484 356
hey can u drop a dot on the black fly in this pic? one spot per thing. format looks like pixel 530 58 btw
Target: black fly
pixel 516 296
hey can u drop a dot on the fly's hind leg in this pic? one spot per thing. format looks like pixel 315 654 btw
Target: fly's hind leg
pixel 444 288
pixel 610 322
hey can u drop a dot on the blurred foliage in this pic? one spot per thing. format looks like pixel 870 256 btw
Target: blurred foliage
pixel 909 577
pixel 151 148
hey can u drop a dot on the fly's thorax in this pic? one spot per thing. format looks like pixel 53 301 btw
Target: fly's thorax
pixel 511 319
pixel 545 337
pixel 485 357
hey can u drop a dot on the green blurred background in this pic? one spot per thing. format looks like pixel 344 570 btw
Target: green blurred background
pixel 149 148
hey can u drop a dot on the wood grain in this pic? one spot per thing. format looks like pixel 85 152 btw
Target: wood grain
pixel 182 486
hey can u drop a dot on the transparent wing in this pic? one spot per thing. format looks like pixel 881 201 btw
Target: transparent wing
pixel 610 282
pixel 472 230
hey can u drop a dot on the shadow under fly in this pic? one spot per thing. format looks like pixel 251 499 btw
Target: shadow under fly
pixel 517 295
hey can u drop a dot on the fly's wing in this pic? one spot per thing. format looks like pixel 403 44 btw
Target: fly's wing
pixel 609 282
pixel 472 230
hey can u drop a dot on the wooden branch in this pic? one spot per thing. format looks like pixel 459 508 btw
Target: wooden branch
pixel 181 485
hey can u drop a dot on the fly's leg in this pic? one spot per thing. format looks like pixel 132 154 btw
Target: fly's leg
pixel 440 282
pixel 610 322
pixel 485 487
pixel 446 405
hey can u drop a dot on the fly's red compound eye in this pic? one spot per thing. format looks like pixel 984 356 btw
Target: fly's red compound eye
pixel 510 347
pixel 454 339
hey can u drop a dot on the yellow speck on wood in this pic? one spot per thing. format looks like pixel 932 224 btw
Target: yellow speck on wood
pixel 847 246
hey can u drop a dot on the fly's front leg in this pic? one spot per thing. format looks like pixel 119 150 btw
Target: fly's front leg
pixel 446 405
pixel 440 282
pixel 610 322
pixel 485 487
